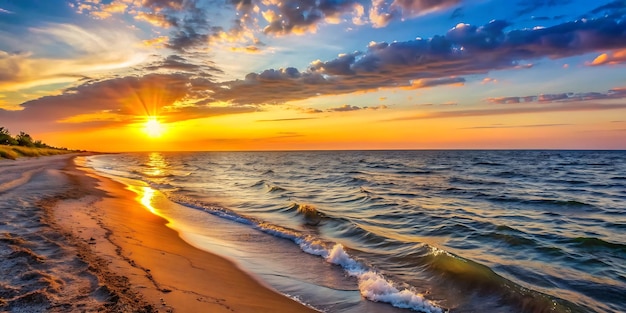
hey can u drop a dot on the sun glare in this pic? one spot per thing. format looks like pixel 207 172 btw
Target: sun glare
pixel 153 128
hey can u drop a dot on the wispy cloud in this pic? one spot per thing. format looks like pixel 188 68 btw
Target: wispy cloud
pixel 348 108
pixel 515 126
pixel 288 119
pixel 615 93
pixel 92 50
pixel 564 107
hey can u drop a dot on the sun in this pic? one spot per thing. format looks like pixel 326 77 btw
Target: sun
pixel 153 128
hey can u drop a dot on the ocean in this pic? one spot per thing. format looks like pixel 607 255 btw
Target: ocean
pixel 402 231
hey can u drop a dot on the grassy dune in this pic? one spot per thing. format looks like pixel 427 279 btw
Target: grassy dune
pixel 14 152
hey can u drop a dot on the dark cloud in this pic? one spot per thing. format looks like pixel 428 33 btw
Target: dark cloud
pixel 464 50
pixel 178 63
pixel 192 30
pixel 345 108
pixel 339 66
pixel 616 93
pixel 457 13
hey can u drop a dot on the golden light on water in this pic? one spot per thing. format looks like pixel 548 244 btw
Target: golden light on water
pixel 146 199
pixel 146 194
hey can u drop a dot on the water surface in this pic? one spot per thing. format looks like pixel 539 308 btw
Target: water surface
pixel 392 231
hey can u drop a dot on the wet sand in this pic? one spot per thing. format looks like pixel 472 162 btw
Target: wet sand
pixel 71 240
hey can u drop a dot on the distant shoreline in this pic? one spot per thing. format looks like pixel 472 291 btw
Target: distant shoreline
pixel 14 152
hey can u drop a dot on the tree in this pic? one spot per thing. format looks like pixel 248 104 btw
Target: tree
pixel 5 137
pixel 24 139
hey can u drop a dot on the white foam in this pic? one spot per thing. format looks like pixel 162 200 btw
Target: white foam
pixel 374 287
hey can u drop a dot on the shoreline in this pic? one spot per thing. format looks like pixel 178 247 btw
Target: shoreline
pixel 167 271
pixel 109 253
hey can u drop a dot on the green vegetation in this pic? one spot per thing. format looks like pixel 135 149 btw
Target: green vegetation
pixel 23 145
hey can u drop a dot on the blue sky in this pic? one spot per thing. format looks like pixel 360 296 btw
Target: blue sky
pixel 549 69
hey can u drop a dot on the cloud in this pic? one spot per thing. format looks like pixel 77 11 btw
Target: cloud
pixel 425 83
pixel 488 80
pixel 178 63
pixel 528 6
pixel 288 119
pixel 107 10
pixel 192 30
pixel 156 19
pixel 560 107
pixel 379 16
pixel 164 4
pixel 612 58
pixel 457 13
pixel 412 8
pixel 381 13
pixel 89 50
pixel 464 50
pixel 515 126
pixel 345 108
pixel 173 97
pixel 299 17
pixel 616 6
pixel 157 42
pixel 615 93
pixel 348 108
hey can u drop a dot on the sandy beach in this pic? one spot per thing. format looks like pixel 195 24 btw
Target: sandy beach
pixel 73 241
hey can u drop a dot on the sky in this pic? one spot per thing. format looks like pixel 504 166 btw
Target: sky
pixel 188 75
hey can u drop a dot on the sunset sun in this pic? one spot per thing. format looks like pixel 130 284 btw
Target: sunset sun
pixel 153 128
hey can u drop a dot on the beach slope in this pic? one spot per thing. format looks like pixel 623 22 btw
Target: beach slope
pixel 74 241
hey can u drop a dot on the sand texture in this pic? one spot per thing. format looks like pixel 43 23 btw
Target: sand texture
pixel 72 241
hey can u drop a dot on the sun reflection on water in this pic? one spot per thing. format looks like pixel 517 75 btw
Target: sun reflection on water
pixel 146 199
pixel 156 164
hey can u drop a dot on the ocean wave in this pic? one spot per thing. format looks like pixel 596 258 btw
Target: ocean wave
pixel 149 175
pixel 375 287
pixel 458 272
pixel 310 213
pixel 372 285
pixel 488 163
pixel 258 184
pixel 595 243
pixel 414 172
pixel 560 203
pixel 479 182
pixel 274 188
